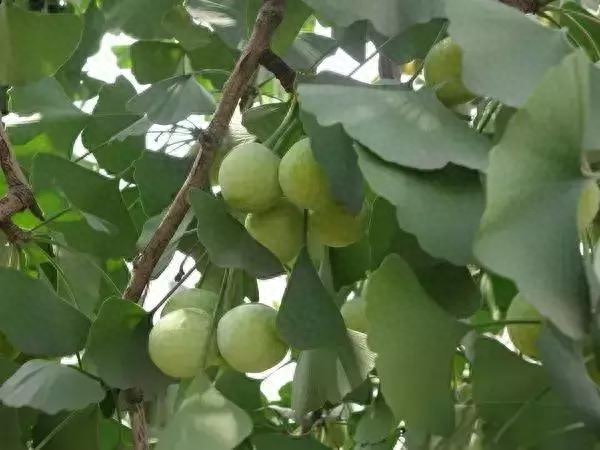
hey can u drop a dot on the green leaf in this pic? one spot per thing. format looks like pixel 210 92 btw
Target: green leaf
pixel 77 84
pixel 227 241
pixel 79 432
pixel 295 14
pixel 488 33
pixel 334 151
pixel 55 116
pixel 263 120
pixel 275 441
pixel 159 177
pixel 308 318
pixel 322 375
pixel 118 157
pixel 446 203
pixel 307 50
pixel 110 116
pixel 409 128
pixel 388 17
pixel 117 347
pixel 50 387
pixel 10 432
pixel 34 45
pixel 241 390
pixel 36 320
pixel 415 341
pixel 104 227
pixel 190 35
pixel 584 28
pixel 516 402
pixel 205 417
pixel 152 61
pixel 135 18
pixel 566 366
pixel 413 43
pixel 376 423
pixel 533 188
pixel 353 39
pixel 172 100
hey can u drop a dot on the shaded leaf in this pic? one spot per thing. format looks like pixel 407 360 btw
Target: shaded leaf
pixel 401 126
pixel 80 432
pixel 488 33
pixel 415 341
pixel 103 227
pixel 50 387
pixel 34 45
pixel 170 101
pixel 376 423
pixel 274 441
pixel 241 390
pixel 413 43
pixel 159 177
pixel 117 347
pixel 334 151
pixel 388 17
pixel 152 61
pixel 520 409
pixel 307 50
pixel 308 318
pixel 447 203
pixel 135 18
pixel 322 376
pixel 533 188
pixel 227 241
pixel 263 120
pixel 205 416
pixel 36 320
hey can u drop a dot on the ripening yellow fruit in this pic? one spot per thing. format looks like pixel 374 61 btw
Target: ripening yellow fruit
pixel 336 227
pixel 443 71
pixel 247 338
pixel 280 229
pixel 249 178
pixel 589 201
pixel 301 178
pixel 411 68
pixel 179 341
pixel 524 336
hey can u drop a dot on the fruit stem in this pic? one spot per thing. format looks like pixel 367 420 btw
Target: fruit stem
pixel 505 322
pixel 289 116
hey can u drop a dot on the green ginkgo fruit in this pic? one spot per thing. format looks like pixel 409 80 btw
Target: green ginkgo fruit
pixel 247 338
pixel 192 298
pixel 443 71
pixel 249 178
pixel 302 179
pixel 280 229
pixel 336 227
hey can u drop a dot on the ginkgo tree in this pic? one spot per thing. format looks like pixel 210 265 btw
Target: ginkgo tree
pixel 436 228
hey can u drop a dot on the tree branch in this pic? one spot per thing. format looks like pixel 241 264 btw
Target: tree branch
pixel 269 17
pixel 278 67
pixel 527 6
pixel 19 196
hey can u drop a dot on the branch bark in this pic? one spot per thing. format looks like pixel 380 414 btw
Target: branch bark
pixel 527 6
pixel 19 196
pixel 278 67
pixel 269 17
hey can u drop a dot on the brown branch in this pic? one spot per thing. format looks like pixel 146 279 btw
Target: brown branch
pixel 269 17
pixel 19 196
pixel 278 67
pixel 527 6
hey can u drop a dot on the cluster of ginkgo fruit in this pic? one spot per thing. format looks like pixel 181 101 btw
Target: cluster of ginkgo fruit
pixel 274 193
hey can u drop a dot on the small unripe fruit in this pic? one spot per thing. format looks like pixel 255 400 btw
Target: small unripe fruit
pixel 335 227
pixel 248 178
pixel 587 207
pixel 279 229
pixel 178 342
pixel 301 178
pixel 524 336
pixel 354 314
pixel 247 338
pixel 411 68
pixel 192 298
pixel 443 71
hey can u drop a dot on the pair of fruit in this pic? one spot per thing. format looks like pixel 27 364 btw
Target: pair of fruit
pixel 275 192
pixel 246 338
